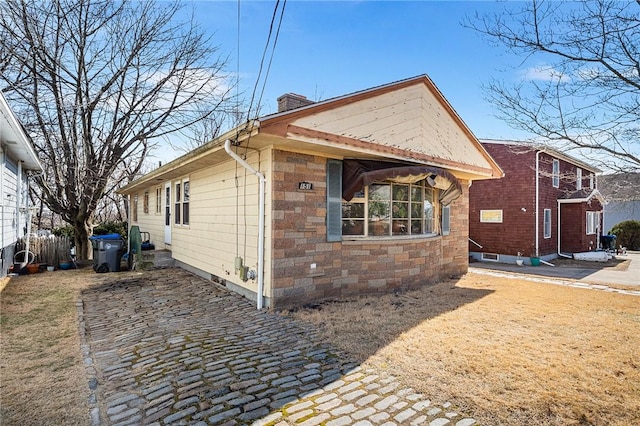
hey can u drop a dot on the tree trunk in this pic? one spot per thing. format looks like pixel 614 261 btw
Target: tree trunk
pixel 83 231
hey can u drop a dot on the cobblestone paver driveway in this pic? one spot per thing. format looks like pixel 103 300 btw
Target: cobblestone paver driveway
pixel 167 347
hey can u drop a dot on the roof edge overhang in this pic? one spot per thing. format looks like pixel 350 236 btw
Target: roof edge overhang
pixel 357 147
pixel 537 146
pixel 593 194
pixel 237 135
pixel 22 150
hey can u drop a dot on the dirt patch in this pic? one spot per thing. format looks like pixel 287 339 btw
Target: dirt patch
pixel 43 375
pixel 617 264
pixel 506 351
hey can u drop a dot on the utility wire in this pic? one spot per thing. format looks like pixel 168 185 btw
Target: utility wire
pixel 264 54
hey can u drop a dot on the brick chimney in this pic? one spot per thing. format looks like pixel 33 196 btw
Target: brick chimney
pixel 290 101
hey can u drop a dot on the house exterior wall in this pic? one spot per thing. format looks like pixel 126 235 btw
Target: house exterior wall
pixel 515 196
pixel 223 221
pixel 348 267
pixel 150 221
pixel 511 194
pixel 573 224
pixel 14 195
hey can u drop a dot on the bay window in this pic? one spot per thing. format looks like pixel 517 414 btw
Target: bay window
pixel 390 209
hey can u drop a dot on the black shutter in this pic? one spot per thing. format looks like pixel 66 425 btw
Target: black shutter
pixel 334 200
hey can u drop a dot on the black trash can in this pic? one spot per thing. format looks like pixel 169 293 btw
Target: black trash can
pixel 608 242
pixel 107 252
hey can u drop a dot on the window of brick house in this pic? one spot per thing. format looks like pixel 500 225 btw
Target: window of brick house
pixel 547 223
pixel 578 178
pixel 391 209
pixel 555 174
pixel 593 222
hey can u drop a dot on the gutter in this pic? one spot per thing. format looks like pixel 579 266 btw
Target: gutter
pixel 261 226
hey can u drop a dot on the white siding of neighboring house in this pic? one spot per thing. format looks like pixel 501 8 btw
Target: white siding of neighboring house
pixel 13 220
pixel 619 211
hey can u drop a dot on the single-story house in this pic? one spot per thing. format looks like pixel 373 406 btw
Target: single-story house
pixel 17 161
pixel 366 192
pixel 546 205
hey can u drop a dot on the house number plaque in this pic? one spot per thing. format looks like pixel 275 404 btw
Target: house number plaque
pixel 305 186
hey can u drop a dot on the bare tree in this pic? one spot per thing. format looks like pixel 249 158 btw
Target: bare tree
pixel 587 96
pixel 95 82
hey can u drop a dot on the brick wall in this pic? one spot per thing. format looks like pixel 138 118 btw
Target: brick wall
pixel 347 267
pixel 515 195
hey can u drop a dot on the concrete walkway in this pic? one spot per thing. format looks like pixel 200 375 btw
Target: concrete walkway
pixel 167 347
pixel 608 279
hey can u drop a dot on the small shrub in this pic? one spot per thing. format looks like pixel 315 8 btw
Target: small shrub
pixel 628 234
pixel 111 227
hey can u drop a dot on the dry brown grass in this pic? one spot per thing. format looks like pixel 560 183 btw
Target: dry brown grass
pixel 505 351
pixel 43 376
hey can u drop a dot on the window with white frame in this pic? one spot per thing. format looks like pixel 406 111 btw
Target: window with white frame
pixel 158 200
pixel 134 208
pixel 390 209
pixel 181 203
pixel 591 181
pixel 578 178
pixel 145 202
pixel 547 223
pixel 593 222
pixel 185 202
pixel 177 203
pixel 555 174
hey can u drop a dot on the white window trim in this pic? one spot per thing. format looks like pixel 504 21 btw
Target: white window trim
pixel 593 222
pixel 188 202
pixel 180 204
pixel 490 257
pixel 555 173
pixel 578 178
pixel 547 223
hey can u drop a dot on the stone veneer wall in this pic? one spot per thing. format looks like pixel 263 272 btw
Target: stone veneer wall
pixel 347 267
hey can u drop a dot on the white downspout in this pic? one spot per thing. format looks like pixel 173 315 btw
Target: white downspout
pixel 558 231
pixel 261 202
pixel 19 202
pixel 538 152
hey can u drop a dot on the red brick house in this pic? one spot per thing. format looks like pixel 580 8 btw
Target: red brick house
pixel 547 204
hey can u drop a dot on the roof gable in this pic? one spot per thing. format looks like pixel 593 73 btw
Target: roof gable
pixel 410 115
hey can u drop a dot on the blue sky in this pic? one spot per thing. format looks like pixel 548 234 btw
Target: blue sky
pixel 327 49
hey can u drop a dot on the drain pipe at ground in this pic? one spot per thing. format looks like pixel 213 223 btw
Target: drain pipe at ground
pixel 261 201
